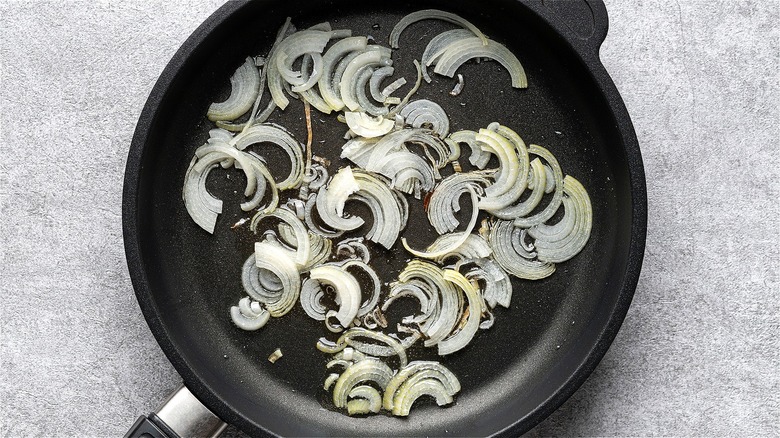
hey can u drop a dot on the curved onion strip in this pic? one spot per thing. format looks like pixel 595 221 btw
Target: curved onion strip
pixel 392 88
pixel 520 156
pixel 354 247
pixel 411 92
pixel 474 247
pixel 365 102
pixel 422 112
pixel 562 241
pixel 498 287
pixel 279 136
pixel 478 157
pixel 538 176
pixel 462 337
pixel 245 85
pixel 311 300
pixel 509 163
pixel 370 302
pixel 455 244
pixel 313 226
pixel 367 370
pixel 460 51
pixel 331 199
pixel 423 369
pixel 378 57
pixel 418 289
pixel 293 47
pixel 249 315
pixel 330 380
pixel 449 301
pixel 348 338
pixel 275 259
pixel 436 46
pixel 366 126
pixel 445 199
pixel 431 387
pixel 501 236
pixel 365 399
pixel 375 82
pixel 335 53
pixel 432 14
pixel 303 246
pixel 347 291
pixel 555 202
pixel 260 285
pixel 389 210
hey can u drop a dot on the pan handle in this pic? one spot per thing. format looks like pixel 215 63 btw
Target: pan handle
pixel 181 415
pixel 584 21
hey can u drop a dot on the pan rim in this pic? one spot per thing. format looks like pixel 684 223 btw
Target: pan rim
pixel 200 388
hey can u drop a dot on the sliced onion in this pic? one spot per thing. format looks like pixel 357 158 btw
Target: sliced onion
pixel 437 45
pixel 478 157
pixel 502 233
pixel 331 199
pixel 350 338
pixel 537 180
pixel 311 300
pixel 365 399
pixel 375 82
pixel 474 247
pixel 303 246
pixel 417 370
pixel 366 126
pixel 276 260
pixel 555 202
pixel 518 157
pixel 347 292
pixel 334 54
pixel 249 315
pixel 245 85
pixel 269 133
pixel 456 242
pixel 445 199
pixel 367 370
pixel 425 112
pixel 369 300
pixel 432 14
pixel 562 241
pixel 354 247
pixel 379 57
pixel 462 337
pixel 460 51
pixel 497 286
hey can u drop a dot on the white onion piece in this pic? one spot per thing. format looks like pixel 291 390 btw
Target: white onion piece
pixel 392 88
pixel 421 369
pixel 538 176
pixel 270 133
pixel 502 233
pixel 311 300
pixel 555 202
pixel 347 291
pixel 474 247
pixel 364 400
pixel 418 289
pixel 277 260
pixel 437 45
pixel 331 199
pixel 456 243
pixel 445 199
pixel 498 201
pixel 259 284
pixel 335 53
pixel 310 222
pixel 293 47
pixel 245 85
pixel 363 99
pixel 354 247
pixel 379 57
pixel 370 301
pixel 462 337
pixel 423 112
pixel 330 380
pixel 478 158
pixel 460 51
pixel 375 82
pixel 497 285
pixel 509 163
pixel 366 126
pixel 413 389
pixel 367 370
pixel 389 210
pixel 249 315
pixel 562 241
pixel 431 14
pixel 349 338
pixel 411 92
pixel 303 245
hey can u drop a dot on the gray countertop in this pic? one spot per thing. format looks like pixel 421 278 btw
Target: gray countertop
pixel 698 353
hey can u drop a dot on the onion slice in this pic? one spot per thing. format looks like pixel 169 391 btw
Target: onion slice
pixel 432 14
pixel 562 241
pixel 245 85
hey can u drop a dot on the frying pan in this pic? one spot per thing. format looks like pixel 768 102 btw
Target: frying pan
pixel 515 374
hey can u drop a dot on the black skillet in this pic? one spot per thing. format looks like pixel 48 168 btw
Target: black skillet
pixel 515 374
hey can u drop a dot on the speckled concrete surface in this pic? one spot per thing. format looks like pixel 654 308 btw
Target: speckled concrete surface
pixel 698 353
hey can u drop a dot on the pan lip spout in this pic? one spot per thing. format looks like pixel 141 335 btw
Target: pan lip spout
pixel 133 224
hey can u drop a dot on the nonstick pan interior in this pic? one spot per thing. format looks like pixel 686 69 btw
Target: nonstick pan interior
pixel 513 374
